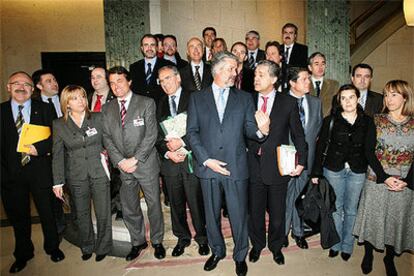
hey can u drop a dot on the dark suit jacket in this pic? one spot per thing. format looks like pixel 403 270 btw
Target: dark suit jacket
pixel 180 62
pixel 329 90
pixel 109 98
pixel 373 105
pixel 222 141
pixel 284 119
pixel 139 84
pixel 76 156
pixel 187 78
pixel 261 55
pixel 41 114
pixel 168 167
pixel 298 55
pixel 247 80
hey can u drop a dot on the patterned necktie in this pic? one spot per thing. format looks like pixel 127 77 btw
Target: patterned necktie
pixel 98 104
pixel 19 124
pixel 287 55
pixel 238 80
pixel 301 111
pixel 173 106
pixel 318 88
pixel 221 105
pixel 197 77
pixel 53 106
pixel 123 112
pixel 264 105
pixel 251 60
pixel 148 73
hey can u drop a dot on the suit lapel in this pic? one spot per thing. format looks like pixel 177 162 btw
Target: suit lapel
pixel 211 103
pixel 133 106
pixel 182 105
pixel 35 113
pixel 232 101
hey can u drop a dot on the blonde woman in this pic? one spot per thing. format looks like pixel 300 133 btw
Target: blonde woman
pixel 385 219
pixel 77 147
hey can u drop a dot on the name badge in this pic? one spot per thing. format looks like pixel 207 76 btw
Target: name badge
pixel 91 132
pixel 139 121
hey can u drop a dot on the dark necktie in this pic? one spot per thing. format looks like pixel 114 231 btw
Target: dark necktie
pixel 53 106
pixel 148 73
pixel 301 111
pixel 173 106
pixel 318 88
pixel 239 79
pixel 251 60
pixel 123 112
pixel 287 55
pixel 19 124
pixel 98 104
pixel 197 78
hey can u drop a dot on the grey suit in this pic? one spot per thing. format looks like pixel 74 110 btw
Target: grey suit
pixel 77 162
pixel 296 184
pixel 136 139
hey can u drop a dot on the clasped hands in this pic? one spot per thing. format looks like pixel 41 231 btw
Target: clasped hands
pixel 392 183
pixel 174 144
pixel 32 150
pixel 128 165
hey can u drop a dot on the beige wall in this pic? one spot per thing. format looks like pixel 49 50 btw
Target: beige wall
pixel 393 59
pixel 231 18
pixel 29 27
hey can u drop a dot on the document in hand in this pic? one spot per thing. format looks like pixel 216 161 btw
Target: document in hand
pixel 32 134
pixel 286 159
pixel 175 127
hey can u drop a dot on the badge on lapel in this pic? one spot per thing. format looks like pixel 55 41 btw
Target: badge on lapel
pixel 139 121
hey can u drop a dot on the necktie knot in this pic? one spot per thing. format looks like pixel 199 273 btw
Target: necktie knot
pixel 20 107
pixel 50 100
pixel 197 67
pixel 123 102
pixel 99 97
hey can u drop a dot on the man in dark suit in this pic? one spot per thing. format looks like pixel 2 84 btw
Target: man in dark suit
pixel 130 132
pixel 321 87
pixel 23 174
pixel 144 73
pixel 177 167
pixel 310 113
pixel 197 74
pixel 295 54
pixel 267 188
pixel 219 119
pixel 170 51
pixel 245 76
pixel 208 34
pixel 254 54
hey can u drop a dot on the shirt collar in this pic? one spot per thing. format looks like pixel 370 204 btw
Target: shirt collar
pixel 127 98
pixel 177 93
pixel 271 95
pixel 151 60
pixel 26 104
pixel 46 98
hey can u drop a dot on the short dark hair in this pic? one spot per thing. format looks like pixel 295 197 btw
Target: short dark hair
pixel 293 73
pixel 209 29
pixel 149 36
pixel 311 57
pixel 273 43
pixel 363 66
pixel 119 70
pixel 349 86
pixel 172 37
pixel 273 68
pixel 290 25
pixel 238 43
pixel 159 37
pixel 37 75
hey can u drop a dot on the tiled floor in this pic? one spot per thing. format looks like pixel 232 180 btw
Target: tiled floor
pixel 312 262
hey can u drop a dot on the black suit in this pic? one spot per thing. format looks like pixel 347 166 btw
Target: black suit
pixel 187 77
pixel 373 105
pixel 35 178
pixel 180 63
pixel 267 188
pixel 182 185
pixel 261 55
pixel 298 55
pixel 139 84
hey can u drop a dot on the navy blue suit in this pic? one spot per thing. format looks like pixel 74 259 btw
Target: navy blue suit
pixel 210 139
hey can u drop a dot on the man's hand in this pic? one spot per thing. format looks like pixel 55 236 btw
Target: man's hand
pixel 395 184
pixel 32 150
pixel 127 165
pixel 263 122
pixel 298 170
pixel 315 180
pixel 217 166
pixel 175 156
pixel 174 144
pixel 58 191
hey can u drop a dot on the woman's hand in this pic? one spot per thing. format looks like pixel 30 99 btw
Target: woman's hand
pixel 315 180
pixel 58 191
pixel 395 184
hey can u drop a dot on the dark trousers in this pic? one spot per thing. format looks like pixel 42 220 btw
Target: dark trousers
pixel 99 191
pixel 272 198
pixel 185 189
pixel 236 199
pixel 16 200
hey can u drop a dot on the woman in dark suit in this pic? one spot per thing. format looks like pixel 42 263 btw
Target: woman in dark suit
pixel 77 162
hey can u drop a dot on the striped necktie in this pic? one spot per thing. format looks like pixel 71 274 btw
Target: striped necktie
pixel 197 77
pixel 301 111
pixel 148 73
pixel 123 112
pixel 19 124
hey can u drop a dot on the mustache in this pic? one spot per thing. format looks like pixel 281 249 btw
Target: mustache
pixel 20 91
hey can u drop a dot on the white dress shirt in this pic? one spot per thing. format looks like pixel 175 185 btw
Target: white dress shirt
pixel 304 104
pixel 200 70
pixel 271 98
pixel 55 101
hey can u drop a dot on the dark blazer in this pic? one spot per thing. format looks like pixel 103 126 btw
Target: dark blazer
pixel 261 55
pixel 373 105
pixel 284 119
pixel 329 89
pixel 247 80
pixel 298 55
pixel 222 141
pixel 139 84
pixel 76 156
pixel 109 98
pixel 180 62
pixel 40 114
pixel 168 167
pixel 187 78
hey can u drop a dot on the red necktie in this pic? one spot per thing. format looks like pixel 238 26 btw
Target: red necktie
pixel 123 112
pixel 98 104
pixel 264 105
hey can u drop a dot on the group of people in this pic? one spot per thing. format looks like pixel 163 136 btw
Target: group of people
pixel 239 107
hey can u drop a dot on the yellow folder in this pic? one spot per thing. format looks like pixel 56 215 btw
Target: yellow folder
pixel 32 134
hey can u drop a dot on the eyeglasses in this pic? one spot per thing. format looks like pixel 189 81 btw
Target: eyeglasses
pixel 25 84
